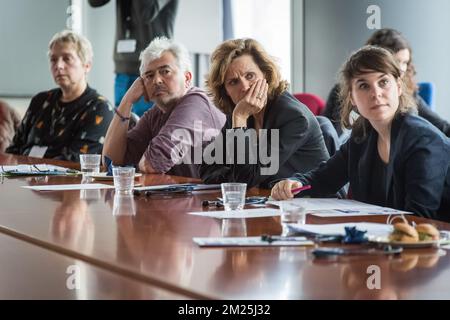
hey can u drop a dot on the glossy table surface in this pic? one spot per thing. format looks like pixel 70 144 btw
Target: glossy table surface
pixel 149 240
pixel 30 272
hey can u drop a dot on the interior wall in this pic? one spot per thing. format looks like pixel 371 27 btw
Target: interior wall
pixel 26 28
pixel 99 26
pixel 191 21
pixel 333 29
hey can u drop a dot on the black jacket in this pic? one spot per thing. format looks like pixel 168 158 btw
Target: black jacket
pixel 301 146
pixel 417 177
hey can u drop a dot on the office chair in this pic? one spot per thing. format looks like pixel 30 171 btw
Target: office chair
pixel 329 134
pixel 426 92
pixel 333 144
pixel 313 102
pixel 134 118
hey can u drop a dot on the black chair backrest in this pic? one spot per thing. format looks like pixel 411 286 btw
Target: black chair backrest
pixel 134 118
pixel 329 134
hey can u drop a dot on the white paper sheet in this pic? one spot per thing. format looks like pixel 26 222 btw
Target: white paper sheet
pixel 246 213
pixel 358 212
pixel 59 187
pixel 329 207
pixel 375 229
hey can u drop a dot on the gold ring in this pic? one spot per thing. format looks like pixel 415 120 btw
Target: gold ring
pixel 258 97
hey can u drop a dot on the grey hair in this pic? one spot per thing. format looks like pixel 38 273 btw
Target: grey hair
pixel 160 45
pixel 82 45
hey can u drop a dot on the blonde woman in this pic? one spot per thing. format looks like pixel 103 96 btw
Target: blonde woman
pixel 72 119
pixel 246 84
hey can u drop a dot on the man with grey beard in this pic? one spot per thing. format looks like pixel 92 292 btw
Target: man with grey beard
pixel 153 145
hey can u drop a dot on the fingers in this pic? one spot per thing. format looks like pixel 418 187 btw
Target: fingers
pixel 258 89
pixel 282 190
pixel 258 95
pixel 287 187
pixel 141 165
pixel 135 92
pixel 146 97
pixel 264 92
pixel 254 100
pixel 265 89
pixel 278 191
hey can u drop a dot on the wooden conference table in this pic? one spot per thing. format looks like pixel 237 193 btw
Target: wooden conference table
pixel 142 248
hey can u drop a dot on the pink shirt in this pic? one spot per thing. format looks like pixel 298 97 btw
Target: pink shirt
pixel 166 139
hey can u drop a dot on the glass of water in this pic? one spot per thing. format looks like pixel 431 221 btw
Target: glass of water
pixel 123 179
pixel 292 212
pixel 233 195
pixel 90 164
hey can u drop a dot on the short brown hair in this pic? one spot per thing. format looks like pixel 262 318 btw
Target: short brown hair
pixel 221 59
pixel 365 60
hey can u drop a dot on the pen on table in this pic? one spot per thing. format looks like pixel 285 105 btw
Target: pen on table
pixel 270 238
pixel 347 211
pixel 296 190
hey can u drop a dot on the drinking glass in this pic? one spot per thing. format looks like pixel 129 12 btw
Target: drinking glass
pixel 123 179
pixel 233 195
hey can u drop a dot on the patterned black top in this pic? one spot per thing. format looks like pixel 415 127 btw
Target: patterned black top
pixel 67 129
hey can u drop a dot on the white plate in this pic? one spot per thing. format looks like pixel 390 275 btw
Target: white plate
pixel 420 244
pixel 105 177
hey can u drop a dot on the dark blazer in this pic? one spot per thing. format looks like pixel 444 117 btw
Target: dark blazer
pixel 301 146
pixel 417 180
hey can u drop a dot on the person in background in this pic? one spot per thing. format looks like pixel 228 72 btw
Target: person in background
pixel 393 158
pixel 246 85
pixel 72 119
pixel 166 137
pixel 138 22
pixel 9 122
pixel 394 41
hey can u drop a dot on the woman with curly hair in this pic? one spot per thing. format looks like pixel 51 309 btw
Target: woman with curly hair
pixel 279 135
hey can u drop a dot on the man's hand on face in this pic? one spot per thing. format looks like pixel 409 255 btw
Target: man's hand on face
pixel 135 92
